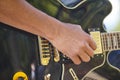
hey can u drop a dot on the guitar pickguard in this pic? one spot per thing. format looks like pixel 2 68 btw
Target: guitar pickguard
pixel 82 69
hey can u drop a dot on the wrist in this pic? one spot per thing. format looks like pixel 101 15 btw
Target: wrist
pixel 54 30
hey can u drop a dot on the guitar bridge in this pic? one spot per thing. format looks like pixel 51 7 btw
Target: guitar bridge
pixel 44 51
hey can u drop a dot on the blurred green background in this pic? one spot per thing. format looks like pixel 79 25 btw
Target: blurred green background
pixel 112 21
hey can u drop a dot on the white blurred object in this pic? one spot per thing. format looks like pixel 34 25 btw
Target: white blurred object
pixel 113 19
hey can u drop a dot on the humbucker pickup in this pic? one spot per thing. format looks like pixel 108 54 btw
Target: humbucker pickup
pixel 97 38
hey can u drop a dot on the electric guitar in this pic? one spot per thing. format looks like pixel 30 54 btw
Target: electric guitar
pixel 25 56
pixel 101 66
pixel 105 65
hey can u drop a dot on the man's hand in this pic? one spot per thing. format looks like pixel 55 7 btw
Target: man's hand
pixel 76 44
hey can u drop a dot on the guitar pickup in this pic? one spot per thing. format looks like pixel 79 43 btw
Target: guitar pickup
pixel 97 38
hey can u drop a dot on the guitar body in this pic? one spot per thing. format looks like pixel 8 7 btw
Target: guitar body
pixel 107 71
pixel 97 69
pixel 89 15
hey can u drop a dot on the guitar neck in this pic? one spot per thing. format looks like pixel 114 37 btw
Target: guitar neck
pixel 110 41
pixel 106 41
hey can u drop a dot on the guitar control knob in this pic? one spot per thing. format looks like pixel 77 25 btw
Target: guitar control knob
pixel 20 76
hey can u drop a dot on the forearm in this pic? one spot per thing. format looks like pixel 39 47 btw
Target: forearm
pixel 22 15
pixel 70 39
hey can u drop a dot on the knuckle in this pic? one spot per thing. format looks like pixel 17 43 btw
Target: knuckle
pixel 76 60
pixel 77 51
pixel 87 38
pixel 91 53
pixel 83 45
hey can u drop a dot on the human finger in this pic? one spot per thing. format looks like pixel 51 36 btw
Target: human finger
pixel 92 44
pixel 75 59
pixel 84 56
pixel 89 50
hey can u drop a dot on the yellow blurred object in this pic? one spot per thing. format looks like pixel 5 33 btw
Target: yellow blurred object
pixel 20 74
